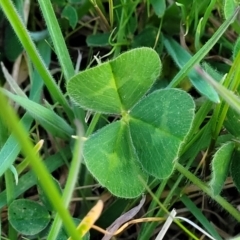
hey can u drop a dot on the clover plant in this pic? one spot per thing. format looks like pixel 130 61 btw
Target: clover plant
pixel 33 219
pixel 151 129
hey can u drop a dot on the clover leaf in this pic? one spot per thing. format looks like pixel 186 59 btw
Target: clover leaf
pixel 149 135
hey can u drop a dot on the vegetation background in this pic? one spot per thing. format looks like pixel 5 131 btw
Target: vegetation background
pixel 54 53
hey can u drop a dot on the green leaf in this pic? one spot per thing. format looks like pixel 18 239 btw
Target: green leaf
pixel 11 148
pixel 4 135
pixel 75 1
pixel 98 40
pixel 29 179
pixel 232 123
pixel 181 57
pixel 12 46
pixel 150 133
pixel 235 238
pixel 220 167
pixel 70 13
pixel 59 2
pixel 39 35
pixel 147 37
pixel 158 125
pixel 229 8
pixel 111 158
pixel 28 217
pixel 15 174
pixel 24 37
pixel 236 48
pixel 232 99
pixel 202 52
pixel 159 7
pixel 53 123
pixel 116 86
pixel 235 169
pixel 43 197
pixel 200 217
pixel 218 76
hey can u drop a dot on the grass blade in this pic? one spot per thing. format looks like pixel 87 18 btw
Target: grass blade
pixel 12 121
pixel 57 38
pixel 203 51
pixel 23 35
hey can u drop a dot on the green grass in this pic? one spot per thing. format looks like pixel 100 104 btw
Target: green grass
pixel 164 123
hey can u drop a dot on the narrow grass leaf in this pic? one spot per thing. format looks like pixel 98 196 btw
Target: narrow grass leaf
pixel 198 35
pixel 15 173
pixel 209 8
pixel 12 121
pixel 116 86
pixel 3 136
pixel 198 214
pixel 25 163
pixel 12 82
pixel 24 37
pixel 181 57
pixel 203 51
pixel 29 179
pixel 11 148
pixel 53 123
pixel 218 76
pixel 224 204
pixel 158 125
pixel 232 99
pixel 195 226
pixel 72 179
pixel 57 38
pixel 27 216
pixel 110 156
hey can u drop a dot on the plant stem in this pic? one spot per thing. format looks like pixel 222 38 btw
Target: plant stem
pixel 93 123
pixel 70 184
pixel 9 182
